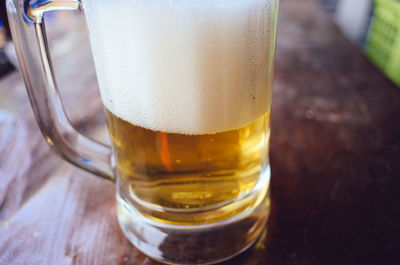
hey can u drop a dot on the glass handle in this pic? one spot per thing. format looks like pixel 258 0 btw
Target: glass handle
pixel 30 42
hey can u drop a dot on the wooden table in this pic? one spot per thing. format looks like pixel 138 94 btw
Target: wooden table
pixel 335 156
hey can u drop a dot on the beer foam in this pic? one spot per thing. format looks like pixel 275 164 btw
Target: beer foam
pixel 178 66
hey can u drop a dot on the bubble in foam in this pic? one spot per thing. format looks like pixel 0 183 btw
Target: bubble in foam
pixel 191 67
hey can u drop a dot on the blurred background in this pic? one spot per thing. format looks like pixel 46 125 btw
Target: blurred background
pixel 374 25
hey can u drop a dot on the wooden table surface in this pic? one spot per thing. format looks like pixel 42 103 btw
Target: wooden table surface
pixel 335 156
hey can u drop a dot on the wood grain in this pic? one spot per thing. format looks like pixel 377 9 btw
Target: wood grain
pixel 335 155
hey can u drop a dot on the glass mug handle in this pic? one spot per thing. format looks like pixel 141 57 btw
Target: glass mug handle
pixel 30 42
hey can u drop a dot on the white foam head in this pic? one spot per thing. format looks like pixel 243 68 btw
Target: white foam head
pixel 179 66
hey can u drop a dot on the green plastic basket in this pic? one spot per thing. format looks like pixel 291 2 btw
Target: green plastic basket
pixel 383 42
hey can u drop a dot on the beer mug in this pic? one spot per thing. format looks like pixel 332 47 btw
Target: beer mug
pixel 186 87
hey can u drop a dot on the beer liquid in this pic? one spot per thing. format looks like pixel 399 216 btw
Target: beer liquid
pixel 167 171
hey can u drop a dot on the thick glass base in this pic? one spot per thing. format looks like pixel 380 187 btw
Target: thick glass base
pixel 195 244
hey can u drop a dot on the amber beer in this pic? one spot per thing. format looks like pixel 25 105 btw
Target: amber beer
pixel 187 86
pixel 177 171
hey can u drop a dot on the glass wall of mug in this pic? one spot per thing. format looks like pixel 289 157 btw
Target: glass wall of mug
pixel 186 87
